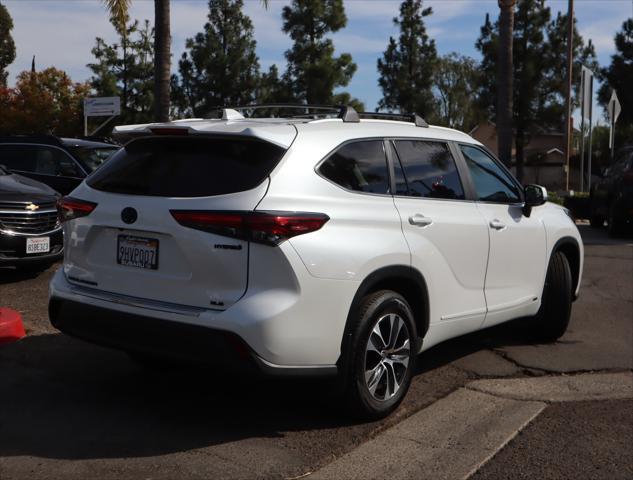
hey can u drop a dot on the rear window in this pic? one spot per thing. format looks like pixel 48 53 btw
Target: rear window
pixel 359 166
pixel 92 157
pixel 187 166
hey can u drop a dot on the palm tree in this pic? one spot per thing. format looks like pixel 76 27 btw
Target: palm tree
pixel 162 49
pixel 504 80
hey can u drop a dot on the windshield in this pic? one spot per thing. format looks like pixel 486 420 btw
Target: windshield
pixel 92 157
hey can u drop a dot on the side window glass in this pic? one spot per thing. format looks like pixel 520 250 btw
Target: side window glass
pixel 429 170
pixel 492 184
pixel 17 157
pixel 54 162
pixel 359 166
pixel 402 188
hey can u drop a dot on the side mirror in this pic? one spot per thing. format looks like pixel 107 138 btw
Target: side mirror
pixel 535 195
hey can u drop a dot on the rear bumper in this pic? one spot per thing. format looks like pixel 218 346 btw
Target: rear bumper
pixel 155 331
pixel 148 335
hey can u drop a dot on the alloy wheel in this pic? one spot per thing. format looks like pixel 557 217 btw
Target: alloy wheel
pixel 387 356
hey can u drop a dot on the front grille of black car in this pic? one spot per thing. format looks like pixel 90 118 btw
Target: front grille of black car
pixel 22 206
pixel 26 222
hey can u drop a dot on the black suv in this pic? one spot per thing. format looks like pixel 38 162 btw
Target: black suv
pixel 612 195
pixel 29 230
pixel 60 163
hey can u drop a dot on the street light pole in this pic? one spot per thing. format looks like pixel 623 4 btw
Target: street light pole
pixel 570 54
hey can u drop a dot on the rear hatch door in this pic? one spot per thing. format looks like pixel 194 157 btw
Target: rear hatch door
pixel 131 245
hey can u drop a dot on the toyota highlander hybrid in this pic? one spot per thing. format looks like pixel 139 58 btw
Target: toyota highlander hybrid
pixel 340 244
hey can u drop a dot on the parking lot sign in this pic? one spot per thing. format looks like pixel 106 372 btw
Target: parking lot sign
pixel 100 107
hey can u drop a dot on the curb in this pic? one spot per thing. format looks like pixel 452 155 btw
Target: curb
pixel 456 436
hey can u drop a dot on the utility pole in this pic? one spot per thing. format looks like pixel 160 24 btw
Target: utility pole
pixel 568 112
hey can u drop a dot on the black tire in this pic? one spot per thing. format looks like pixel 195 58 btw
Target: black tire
pixel 382 308
pixel 552 319
pixel 596 221
pixel 614 228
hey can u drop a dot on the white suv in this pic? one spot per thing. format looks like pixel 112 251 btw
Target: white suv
pixel 307 245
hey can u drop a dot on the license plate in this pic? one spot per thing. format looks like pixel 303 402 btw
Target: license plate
pixel 38 245
pixel 137 252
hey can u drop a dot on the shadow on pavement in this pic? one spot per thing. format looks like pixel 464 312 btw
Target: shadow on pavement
pixel 599 236
pixel 65 399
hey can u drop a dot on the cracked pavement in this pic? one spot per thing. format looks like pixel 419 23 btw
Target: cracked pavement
pixel 73 410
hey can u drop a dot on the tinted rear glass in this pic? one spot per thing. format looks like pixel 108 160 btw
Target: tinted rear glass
pixel 187 166
pixel 360 166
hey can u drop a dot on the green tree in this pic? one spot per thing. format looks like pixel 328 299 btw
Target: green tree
pixel 618 76
pixel 553 98
pixel 220 66
pixel 455 83
pixel 7 46
pixel 529 53
pixel 505 81
pixel 126 69
pixel 313 70
pixel 162 50
pixel 47 101
pixel 272 88
pixel 488 46
pixel 539 44
pixel 408 64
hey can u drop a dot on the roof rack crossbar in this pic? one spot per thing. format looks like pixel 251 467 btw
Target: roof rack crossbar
pixel 344 112
pixel 403 117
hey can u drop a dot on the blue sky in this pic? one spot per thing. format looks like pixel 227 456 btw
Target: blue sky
pixel 62 32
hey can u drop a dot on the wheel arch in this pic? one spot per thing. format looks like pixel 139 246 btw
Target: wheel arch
pixel 403 279
pixel 569 247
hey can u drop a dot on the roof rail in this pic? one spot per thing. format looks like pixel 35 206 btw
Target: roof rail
pixel 402 117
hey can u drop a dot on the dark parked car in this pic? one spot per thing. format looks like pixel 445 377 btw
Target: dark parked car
pixel 612 195
pixel 60 163
pixel 29 230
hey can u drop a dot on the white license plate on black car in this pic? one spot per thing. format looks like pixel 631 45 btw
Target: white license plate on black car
pixel 38 245
pixel 139 252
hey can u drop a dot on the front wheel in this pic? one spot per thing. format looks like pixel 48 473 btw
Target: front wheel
pixel 382 356
pixel 552 319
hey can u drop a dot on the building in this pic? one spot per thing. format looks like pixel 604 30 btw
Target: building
pixel 544 155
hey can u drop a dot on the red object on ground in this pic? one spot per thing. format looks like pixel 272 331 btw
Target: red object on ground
pixel 11 327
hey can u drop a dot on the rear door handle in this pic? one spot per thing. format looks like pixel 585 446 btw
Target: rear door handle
pixel 497 224
pixel 420 220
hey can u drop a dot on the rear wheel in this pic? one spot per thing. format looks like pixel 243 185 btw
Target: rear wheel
pixel 382 355
pixel 614 227
pixel 596 221
pixel 552 319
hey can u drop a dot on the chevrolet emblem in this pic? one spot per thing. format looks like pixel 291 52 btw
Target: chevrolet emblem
pixel 32 207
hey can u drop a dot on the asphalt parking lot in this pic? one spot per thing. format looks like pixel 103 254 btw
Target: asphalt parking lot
pixel 72 410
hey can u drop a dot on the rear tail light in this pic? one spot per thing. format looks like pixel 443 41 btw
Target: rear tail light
pixel 270 228
pixel 69 208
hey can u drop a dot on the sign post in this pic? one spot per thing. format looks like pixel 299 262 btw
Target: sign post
pixel 100 107
pixel 586 107
pixel 613 108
